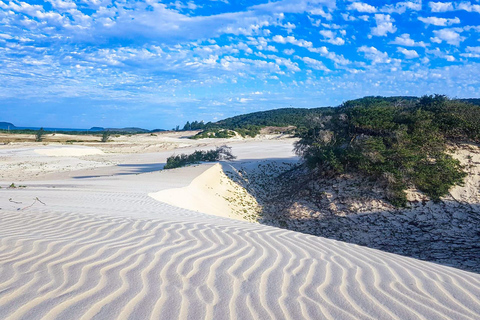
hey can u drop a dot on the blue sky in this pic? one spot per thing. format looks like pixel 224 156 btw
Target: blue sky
pixel 157 64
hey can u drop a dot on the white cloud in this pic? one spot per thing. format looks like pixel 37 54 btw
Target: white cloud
pixel 330 37
pixel 401 7
pixel 468 6
pixel 348 17
pixel 292 40
pixel 374 54
pixel 322 13
pixel 324 52
pixel 440 54
pixel 473 49
pixel 405 40
pixel 473 52
pixel 384 25
pixel 440 6
pixel 62 4
pixel 450 36
pixel 315 64
pixel 289 51
pixel 439 21
pixel 409 54
pixel 362 7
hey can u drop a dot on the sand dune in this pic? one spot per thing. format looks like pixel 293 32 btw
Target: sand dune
pixel 67 262
pixel 101 248
pixel 212 192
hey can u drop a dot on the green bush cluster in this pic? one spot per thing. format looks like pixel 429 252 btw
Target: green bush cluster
pixel 399 142
pixel 218 154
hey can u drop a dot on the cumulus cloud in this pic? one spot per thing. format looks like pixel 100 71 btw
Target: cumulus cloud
pixel 384 25
pixel 440 6
pixel 450 36
pixel 401 7
pixel 440 54
pixel 375 55
pixel 292 40
pixel 405 40
pixel 315 64
pixel 471 52
pixel 331 37
pixel 409 54
pixel 362 7
pixel 439 21
pixel 336 58
pixel 322 13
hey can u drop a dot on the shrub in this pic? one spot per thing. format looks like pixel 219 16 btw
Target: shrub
pixel 214 133
pixel 218 154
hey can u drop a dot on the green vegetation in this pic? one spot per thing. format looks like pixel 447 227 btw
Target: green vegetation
pixel 218 154
pixel 39 135
pixel 400 142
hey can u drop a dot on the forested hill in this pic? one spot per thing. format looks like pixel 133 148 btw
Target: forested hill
pixel 278 118
pixel 297 116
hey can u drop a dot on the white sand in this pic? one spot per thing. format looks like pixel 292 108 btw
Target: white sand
pixel 101 248
pixel 68 151
pixel 212 192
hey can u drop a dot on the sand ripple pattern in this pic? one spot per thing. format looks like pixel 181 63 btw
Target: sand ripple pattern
pixel 82 266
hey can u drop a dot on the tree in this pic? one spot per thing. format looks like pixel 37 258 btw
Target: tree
pixel 105 136
pixel 39 135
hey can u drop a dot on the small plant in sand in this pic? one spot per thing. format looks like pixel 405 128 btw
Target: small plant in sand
pixel 39 135
pixel 218 154
pixel 105 136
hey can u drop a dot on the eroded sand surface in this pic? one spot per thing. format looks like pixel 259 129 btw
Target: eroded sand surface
pixel 89 242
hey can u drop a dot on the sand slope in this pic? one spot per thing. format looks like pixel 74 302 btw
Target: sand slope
pixel 212 192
